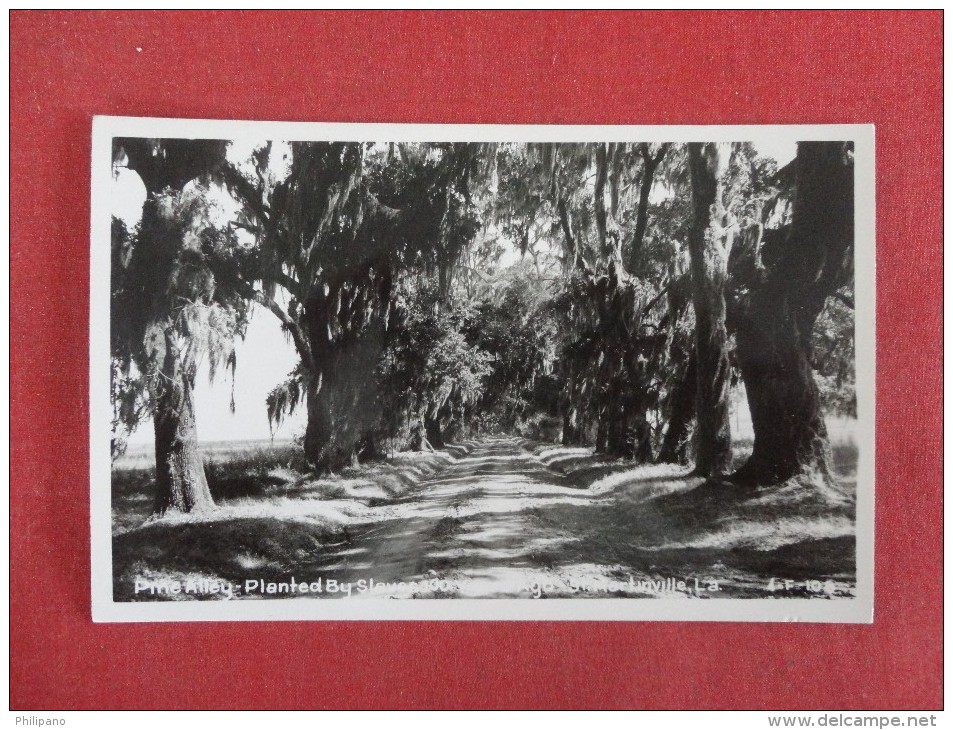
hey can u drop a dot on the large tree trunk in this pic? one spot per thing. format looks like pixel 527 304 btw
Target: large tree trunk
pixel 709 242
pixel 333 429
pixel 319 431
pixel 180 474
pixel 650 164
pixel 789 429
pixel 677 441
pixel 573 430
pixel 172 163
pixel 320 445
pixel 775 325
pixel 346 324
pixel 434 435
pixel 617 432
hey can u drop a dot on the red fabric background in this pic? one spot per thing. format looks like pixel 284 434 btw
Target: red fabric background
pixel 565 68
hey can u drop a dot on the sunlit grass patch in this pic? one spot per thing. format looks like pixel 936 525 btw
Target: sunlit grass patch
pixel 731 534
pixel 549 454
pixel 224 549
pixel 646 480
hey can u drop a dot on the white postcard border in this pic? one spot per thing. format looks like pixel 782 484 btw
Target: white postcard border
pixel 858 609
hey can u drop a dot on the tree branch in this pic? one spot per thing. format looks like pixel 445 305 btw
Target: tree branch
pixel 483 277
pixel 651 162
pixel 300 342
pixel 844 299
pixel 279 277
pixel 602 176
pixel 655 300
pixel 245 192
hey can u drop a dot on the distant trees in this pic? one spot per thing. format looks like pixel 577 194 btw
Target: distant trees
pixel 591 201
pixel 429 372
pixel 516 328
pixel 637 367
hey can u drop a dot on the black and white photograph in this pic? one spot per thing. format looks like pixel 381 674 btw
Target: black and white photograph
pixel 614 373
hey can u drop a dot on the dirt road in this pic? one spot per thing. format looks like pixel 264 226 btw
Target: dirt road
pixel 474 531
pixel 500 519
pixel 499 522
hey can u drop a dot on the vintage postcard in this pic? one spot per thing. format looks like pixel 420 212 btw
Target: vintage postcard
pixel 403 372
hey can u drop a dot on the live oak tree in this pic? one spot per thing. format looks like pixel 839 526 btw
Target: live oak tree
pixel 169 311
pixel 800 268
pixel 315 244
pixel 335 235
pixel 599 197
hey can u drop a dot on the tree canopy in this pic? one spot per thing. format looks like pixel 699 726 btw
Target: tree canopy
pixel 608 294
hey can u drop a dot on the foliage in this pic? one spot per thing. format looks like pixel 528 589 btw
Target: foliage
pixel 168 302
pixel 340 232
pixel 518 332
pixel 834 356
pixel 476 285
pixel 130 404
pixel 429 369
pixel 286 397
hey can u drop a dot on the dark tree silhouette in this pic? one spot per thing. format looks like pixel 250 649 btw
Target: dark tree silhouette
pixel 337 240
pixel 709 242
pixel 801 268
pixel 168 309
